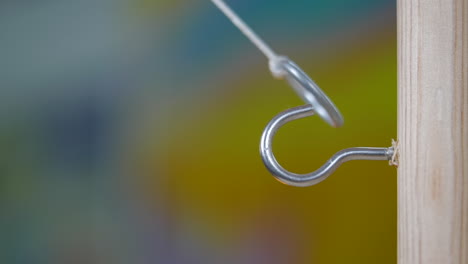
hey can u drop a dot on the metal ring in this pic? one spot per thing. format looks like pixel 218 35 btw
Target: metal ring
pixel 266 151
pixel 311 93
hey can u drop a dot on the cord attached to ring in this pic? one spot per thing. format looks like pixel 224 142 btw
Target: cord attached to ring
pixel 309 91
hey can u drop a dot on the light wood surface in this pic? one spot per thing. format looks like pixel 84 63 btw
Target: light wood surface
pixel 433 131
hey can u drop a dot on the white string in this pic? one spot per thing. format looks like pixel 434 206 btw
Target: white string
pixel 275 61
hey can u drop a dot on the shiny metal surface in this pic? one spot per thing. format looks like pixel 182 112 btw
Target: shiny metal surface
pixel 311 93
pixel 266 151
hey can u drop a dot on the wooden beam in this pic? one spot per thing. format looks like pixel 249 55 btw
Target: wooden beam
pixel 433 131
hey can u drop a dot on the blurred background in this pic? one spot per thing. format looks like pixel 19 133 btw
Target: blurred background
pixel 129 133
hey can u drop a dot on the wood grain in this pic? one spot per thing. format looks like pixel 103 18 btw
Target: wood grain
pixel 433 131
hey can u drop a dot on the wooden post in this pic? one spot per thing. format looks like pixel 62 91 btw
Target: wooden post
pixel 433 131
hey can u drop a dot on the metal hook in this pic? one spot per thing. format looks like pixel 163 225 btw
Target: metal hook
pixel 323 172
pixel 320 104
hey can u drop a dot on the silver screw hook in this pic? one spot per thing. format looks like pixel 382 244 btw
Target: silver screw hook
pixel 302 180
pixel 318 103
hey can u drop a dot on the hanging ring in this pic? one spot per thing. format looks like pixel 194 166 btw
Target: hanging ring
pixel 302 180
pixel 308 90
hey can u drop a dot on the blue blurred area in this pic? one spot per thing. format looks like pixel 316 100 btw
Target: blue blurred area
pixel 120 122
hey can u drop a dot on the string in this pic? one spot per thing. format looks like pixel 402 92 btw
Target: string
pixel 275 61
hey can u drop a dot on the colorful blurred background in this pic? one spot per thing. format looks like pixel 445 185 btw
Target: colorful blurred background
pixel 129 133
